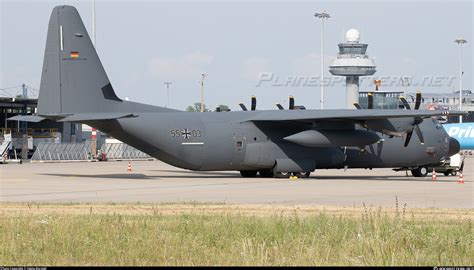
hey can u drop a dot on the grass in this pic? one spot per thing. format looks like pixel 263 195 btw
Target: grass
pixel 207 234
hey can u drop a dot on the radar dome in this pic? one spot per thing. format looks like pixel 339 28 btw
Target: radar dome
pixel 352 35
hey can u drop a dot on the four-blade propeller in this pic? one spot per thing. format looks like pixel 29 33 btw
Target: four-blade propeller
pixel 417 121
pixel 253 104
pixel 370 105
pixel 370 102
pixel 291 104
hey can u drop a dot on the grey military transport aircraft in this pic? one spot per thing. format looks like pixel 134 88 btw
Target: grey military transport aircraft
pixel 271 143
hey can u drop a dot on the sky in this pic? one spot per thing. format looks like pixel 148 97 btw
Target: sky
pixel 143 44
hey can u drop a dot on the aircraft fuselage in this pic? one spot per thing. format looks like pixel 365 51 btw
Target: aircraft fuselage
pixel 226 141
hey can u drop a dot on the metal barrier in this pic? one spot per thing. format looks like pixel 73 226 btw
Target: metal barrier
pixel 4 146
pixel 62 151
pixel 122 151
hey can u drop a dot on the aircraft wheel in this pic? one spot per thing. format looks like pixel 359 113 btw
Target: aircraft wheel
pixel 302 174
pixel 453 173
pixel 446 173
pixel 420 171
pixel 266 173
pixel 248 174
pixel 282 175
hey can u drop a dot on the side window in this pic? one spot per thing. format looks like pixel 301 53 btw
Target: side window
pixel 239 144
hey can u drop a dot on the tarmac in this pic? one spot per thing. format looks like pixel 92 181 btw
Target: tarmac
pixel 157 182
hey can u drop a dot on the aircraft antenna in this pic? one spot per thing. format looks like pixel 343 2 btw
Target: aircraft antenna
pixel 168 93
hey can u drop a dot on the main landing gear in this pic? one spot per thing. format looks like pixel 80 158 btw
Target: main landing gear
pixel 248 174
pixel 269 173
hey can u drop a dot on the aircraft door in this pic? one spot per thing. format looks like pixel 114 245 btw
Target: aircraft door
pixel 239 145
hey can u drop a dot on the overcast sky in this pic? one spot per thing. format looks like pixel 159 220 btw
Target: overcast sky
pixel 143 44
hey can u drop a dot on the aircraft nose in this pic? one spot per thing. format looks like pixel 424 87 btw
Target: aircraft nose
pixel 454 146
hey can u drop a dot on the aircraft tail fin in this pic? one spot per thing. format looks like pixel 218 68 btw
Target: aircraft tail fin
pixel 73 79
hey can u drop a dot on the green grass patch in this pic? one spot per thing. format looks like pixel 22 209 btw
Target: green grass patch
pixel 234 238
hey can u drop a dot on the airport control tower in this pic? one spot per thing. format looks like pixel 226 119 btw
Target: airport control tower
pixel 352 62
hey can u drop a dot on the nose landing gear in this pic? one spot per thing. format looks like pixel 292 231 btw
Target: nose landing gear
pixel 289 174
pixel 421 171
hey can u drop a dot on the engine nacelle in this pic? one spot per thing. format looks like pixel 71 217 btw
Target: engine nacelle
pixel 395 127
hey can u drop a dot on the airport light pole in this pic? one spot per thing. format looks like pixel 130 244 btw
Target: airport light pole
pixel 203 76
pixel 323 16
pixel 93 130
pixel 460 42
pixel 168 93
pixel 93 22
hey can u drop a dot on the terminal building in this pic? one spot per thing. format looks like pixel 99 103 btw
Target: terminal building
pixel 56 140
pixel 25 136
pixel 429 101
pixel 382 99
pixel 448 101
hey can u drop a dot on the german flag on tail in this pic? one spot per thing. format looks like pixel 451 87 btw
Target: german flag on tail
pixel 74 55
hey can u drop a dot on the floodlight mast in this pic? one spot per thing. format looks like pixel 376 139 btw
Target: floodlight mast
pixel 168 93
pixel 203 76
pixel 93 22
pixel 94 130
pixel 460 42
pixel 323 16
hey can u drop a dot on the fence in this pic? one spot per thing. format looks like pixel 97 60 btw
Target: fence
pixel 122 151
pixel 4 146
pixel 62 151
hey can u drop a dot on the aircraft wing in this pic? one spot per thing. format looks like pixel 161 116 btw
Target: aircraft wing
pixel 346 115
pixel 389 122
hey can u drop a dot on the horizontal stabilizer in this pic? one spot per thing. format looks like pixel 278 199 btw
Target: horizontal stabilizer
pixel 27 118
pixel 83 117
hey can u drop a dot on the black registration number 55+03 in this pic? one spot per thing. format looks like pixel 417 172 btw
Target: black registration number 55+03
pixel 185 133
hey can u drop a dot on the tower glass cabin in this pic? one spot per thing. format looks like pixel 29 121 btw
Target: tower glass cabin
pixel 352 62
